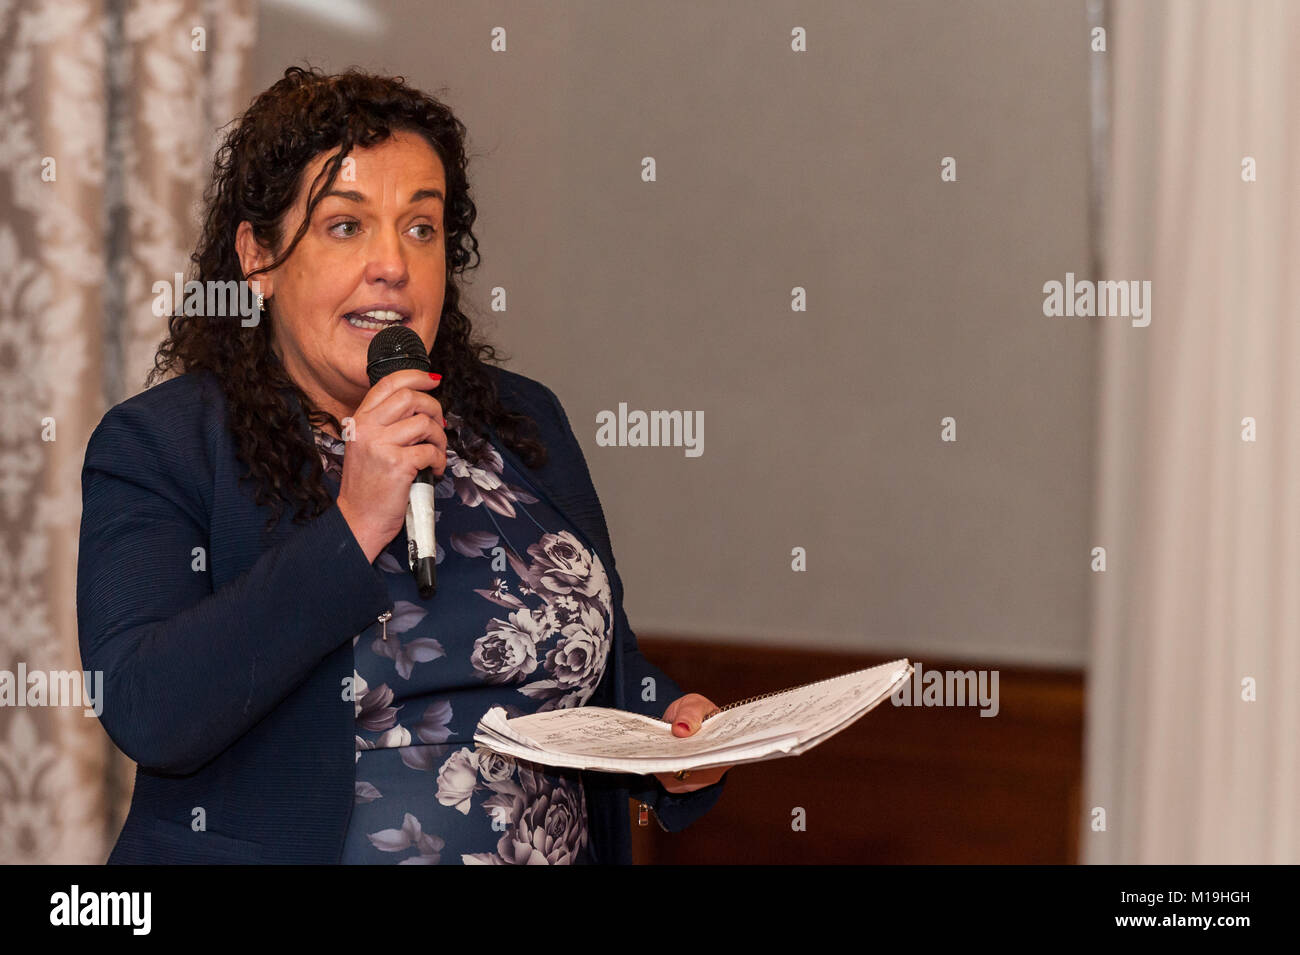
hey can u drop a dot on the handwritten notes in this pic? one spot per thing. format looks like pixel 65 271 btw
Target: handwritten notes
pixel 785 723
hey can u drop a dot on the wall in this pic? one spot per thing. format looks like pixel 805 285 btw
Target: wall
pixel 778 169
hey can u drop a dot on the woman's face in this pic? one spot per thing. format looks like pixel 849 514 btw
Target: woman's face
pixel 375 243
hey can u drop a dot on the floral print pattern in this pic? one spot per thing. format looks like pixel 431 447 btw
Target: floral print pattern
pixel 522 619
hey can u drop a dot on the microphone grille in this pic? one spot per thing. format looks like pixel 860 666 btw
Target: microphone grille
pixel 395 349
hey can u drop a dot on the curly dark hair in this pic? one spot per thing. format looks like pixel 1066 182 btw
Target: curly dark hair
pixel 257 175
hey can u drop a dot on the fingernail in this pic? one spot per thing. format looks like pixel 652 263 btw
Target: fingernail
pixel 685 726
pixel 435 376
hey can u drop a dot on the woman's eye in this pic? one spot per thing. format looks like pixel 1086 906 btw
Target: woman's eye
pixel 349 227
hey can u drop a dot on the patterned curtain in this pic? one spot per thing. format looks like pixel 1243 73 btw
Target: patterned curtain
pixel 110 112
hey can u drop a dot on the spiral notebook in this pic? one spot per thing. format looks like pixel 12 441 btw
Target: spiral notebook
pixel 782 723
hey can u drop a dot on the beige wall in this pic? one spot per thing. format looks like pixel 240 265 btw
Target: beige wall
pixel 779 169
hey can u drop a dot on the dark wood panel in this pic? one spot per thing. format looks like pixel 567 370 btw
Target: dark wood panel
pixel 905 785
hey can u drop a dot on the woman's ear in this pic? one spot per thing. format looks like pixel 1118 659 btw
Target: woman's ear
pixel 252 256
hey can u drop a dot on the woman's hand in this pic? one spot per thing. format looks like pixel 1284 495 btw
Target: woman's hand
pixel 687 713
pixel 398 430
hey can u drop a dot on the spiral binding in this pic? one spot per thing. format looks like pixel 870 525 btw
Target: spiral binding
pixel 788 689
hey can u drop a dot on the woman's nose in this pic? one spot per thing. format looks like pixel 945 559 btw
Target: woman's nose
pixel 386 257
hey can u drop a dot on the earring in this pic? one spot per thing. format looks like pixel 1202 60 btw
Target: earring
pixel 261 302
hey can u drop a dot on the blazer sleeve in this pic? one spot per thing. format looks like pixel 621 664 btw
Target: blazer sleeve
pixel 188 671
pixel 675 811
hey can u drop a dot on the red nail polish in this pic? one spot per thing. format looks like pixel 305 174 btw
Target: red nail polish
pixel 685 726
pixel 435 376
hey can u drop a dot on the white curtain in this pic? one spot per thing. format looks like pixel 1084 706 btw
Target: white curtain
pixel 109 111
pixel 1201 593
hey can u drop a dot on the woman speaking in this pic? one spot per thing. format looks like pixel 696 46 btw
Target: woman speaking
pixel 243 581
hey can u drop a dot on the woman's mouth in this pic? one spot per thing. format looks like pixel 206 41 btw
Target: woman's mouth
pixel 374 319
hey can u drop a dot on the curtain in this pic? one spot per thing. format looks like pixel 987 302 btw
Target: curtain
pixel 1193 713
pixel 111 113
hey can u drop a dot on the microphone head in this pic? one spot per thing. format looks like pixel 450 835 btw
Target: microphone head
pixel 395 348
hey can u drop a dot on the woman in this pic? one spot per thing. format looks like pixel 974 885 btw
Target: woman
pixel 242 579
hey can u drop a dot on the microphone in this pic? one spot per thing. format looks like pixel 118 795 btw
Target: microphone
pixel 394 349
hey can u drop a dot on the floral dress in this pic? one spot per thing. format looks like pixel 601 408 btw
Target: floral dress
pixel 523 620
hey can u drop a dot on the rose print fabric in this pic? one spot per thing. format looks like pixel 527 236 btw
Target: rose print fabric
pixel 523 620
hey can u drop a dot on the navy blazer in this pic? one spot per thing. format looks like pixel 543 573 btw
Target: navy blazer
pixel 225 682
